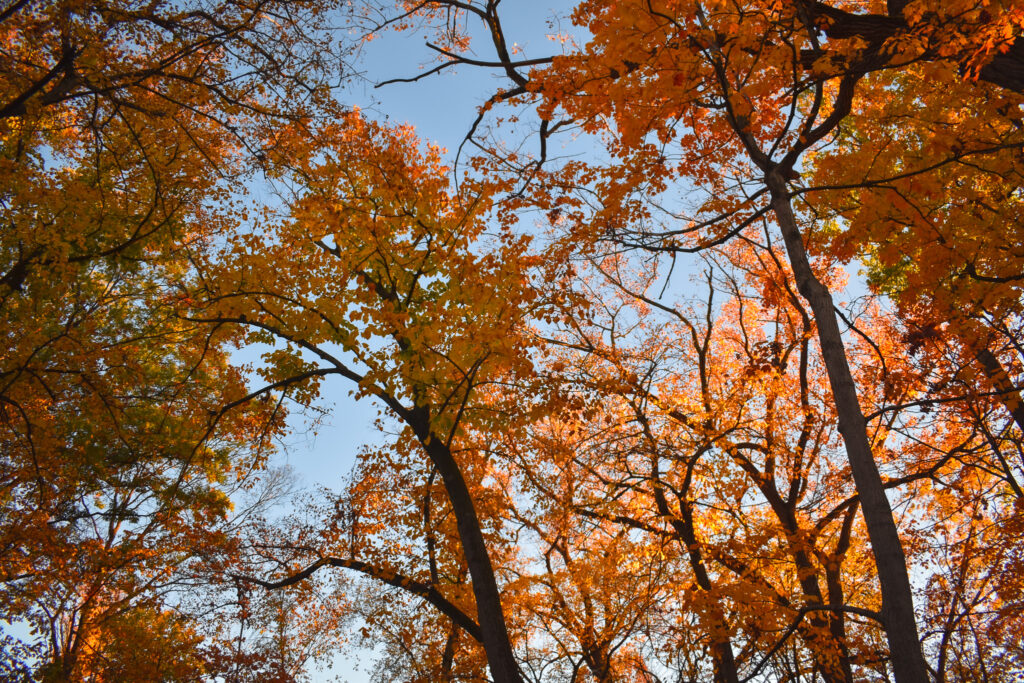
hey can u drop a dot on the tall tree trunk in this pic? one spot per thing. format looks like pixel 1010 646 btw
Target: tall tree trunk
pixel 897 597
pixel 490 614
pixel 1000 379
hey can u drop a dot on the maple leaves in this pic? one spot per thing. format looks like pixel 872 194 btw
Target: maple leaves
pixel 590 472
pixel 739 100
pixel 382 276
pixel 120 125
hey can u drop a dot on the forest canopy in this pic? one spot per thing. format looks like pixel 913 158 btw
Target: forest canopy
pixel 699 359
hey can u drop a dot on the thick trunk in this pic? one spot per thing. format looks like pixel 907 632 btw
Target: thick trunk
pixel 997 375
pixel 490 614
pixel 897 597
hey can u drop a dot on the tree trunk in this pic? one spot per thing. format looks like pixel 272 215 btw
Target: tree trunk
pixel 490 614
pixel 897 597
pixel 1000 379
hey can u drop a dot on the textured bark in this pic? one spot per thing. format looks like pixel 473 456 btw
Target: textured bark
pixel 490 614
pixel 897 597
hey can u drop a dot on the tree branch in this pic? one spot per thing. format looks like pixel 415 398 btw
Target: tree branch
pixel 417 588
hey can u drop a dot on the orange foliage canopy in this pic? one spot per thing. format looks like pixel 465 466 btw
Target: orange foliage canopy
pixel 123 127
pixel 594 472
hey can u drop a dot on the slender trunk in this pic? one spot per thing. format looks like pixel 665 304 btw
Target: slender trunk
pixel 448 656
pixel 490 614
pixel 897 597
pixel 827 653
pixel 721 647
pixel 722 655
pixel 833 576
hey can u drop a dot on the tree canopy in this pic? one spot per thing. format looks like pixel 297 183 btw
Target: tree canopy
pixel 731 395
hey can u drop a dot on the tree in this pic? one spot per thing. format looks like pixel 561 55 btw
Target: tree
pixel 381 274
pixel 745 87
pixel 123 127
pixel 702 455
pixel 946 214
pixel 109 512
pixel 757 89
pixel 591 476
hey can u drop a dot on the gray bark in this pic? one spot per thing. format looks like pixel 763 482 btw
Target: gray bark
pixel 490 614
pixel 897 596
